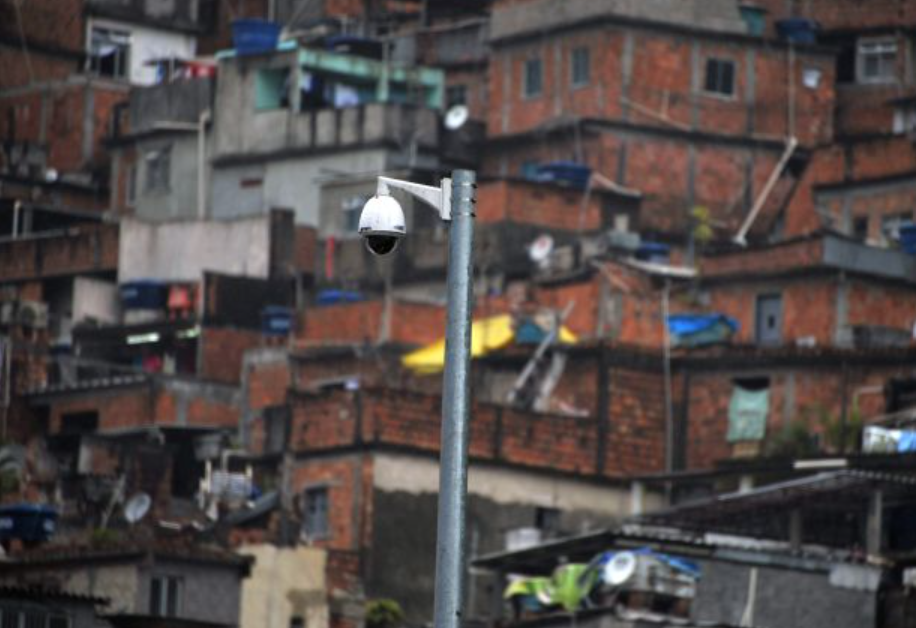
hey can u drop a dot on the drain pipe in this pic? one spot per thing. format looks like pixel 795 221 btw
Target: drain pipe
pixel 202 123
pixel 741 237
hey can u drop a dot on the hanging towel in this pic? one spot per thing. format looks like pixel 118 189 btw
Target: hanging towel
pixel 747 414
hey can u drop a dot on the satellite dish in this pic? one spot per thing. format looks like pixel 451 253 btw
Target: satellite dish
pixel 50 175
pixel 137 507
pixel 456 117
pixel 540 249
pixel 620 568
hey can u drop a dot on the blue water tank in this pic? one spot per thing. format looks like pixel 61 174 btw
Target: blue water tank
pixel 276 320
pixel 28 522
pixel 147 294
pixel 908 238
pixel 253 36
pixel 798 30
pixel 567 173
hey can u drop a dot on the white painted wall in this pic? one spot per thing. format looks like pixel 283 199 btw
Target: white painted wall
pixel 182 250
pixel 95 299
pixel 147 43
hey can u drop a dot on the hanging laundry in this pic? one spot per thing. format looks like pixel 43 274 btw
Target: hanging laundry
pixel 747 414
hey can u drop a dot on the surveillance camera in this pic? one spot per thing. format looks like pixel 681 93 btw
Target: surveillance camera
pixel 381 224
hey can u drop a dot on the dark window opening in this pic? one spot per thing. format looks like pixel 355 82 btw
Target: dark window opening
pixel 720 77
pixel 109 52
pixel 533 78
pixel 860 228
pixel 456 95
pixel 752 383
pixel 547 519
pixel 79 423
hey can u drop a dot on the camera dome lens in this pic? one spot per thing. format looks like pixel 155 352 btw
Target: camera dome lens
pixel 381 244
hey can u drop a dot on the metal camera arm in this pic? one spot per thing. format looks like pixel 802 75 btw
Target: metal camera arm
pixel 440 198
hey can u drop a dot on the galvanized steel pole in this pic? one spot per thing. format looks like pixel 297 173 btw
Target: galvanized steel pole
pixel 453 460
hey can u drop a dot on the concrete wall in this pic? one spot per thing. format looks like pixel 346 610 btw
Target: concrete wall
pixel 253 189
pixel 209 592
pixel 182 251
pixel 284 583
pixel 147 43
pixel 499 500
pixel 180 200
pixel 118 583
pixel 788 598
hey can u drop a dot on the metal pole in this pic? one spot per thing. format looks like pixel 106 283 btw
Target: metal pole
pixel 453 461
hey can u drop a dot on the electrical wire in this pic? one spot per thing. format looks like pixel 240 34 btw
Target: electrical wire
pixel 17 5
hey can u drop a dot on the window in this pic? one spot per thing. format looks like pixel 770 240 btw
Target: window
pixel 769 319
pixel 533 79
pixel 158 169
pixel 109 52
pixel 860 228
pixel 130 193
pixel 315 521
pixel 456 95
pixel 352 207
pixel 581 67
pixel 79 422
pixel 271 89
pixel 164 594
pixel 876 60
pixel 547 519
pixel 720 77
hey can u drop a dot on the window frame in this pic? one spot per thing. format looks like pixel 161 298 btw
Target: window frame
pixel 861 59
pixel 308 497
pixel 121 39
pixel 527 93
pixel 157 179
pixel 580 52
pixel 720 62
pixel 164 595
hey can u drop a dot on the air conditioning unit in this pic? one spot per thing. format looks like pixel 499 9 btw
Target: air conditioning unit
pixel 7 313
pixel 32 314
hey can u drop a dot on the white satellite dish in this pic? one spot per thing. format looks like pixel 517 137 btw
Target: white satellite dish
pixel 620 568
pixel 51 175
pixel 137 507
pixel 539 250
pixel 456 117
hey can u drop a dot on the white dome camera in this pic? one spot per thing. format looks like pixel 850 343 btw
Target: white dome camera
pixel 381 224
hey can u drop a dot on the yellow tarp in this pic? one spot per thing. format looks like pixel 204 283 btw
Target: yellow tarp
pixel 487 335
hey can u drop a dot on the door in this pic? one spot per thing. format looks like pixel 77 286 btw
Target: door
pixel 769 319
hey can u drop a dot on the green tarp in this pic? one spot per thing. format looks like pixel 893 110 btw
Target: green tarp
pixel 747 414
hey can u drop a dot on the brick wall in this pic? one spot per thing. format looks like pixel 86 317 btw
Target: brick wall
pixel 843 14
pixel 538 204
pixel 858 161
pixel 796 394
pixel 412 323
pixel 85 249
pixel 660 91
pixel 221 352
pixel 538 440
pixel 144 405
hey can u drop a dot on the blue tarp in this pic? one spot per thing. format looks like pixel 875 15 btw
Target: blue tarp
pixel 700 329
pixel 330 297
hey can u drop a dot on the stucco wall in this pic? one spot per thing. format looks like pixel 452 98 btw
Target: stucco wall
pixel 284 583
pixel 181 251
